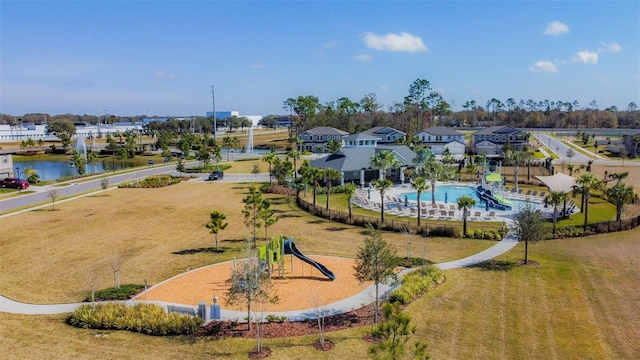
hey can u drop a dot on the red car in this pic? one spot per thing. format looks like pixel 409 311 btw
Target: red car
pixel 15 183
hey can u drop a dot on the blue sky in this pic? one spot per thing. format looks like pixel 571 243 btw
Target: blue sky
pixel 161 57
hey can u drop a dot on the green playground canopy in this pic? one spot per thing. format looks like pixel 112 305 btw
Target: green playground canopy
pixel 493 177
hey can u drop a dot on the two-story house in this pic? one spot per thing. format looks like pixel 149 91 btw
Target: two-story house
pixel 438 138
pixel 315 140
pixel 491 140
pixel 387 135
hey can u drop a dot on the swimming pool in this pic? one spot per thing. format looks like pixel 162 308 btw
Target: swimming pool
pixel 451 193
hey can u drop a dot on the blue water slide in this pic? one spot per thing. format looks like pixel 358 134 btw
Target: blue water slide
pixel 290 248
pixel 485 195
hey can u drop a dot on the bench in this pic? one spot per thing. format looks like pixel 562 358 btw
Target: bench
pixel 181 310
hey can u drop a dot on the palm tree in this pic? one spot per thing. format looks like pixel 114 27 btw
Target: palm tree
pixel 555 199
pixel 434 171
pixel 350 190
pixel 571 169
pixel 216 224
pixel 312 175
pixel 423 156
pixel 329 176
pixel 269 158
pixel 619 195
pixel 419 184
pixel 295 156
pixel 465 203
pixel 384 160
pixel 382 185
pixel 516 158
pixel 584 185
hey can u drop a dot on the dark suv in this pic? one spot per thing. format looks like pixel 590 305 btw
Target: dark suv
pixel 216 175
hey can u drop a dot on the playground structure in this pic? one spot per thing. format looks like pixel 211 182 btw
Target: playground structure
pixel 490 190
pixel 273 253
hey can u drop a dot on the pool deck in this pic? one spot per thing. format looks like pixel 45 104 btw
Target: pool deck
pixel 394 204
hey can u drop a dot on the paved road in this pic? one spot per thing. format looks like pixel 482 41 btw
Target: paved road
pixel 560 149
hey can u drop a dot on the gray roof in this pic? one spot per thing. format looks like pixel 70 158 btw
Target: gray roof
pixel 350 159
pixel 361 136
pixel 497 130
pixel 382 130
pixel 441 130
pixel 325 130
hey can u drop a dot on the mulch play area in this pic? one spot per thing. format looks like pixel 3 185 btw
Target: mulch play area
pixel 302 287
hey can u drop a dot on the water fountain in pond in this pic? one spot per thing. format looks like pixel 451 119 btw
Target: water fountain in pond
pixel 81 146
pixel 250 141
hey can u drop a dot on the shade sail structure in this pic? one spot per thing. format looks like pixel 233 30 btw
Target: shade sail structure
pixel 558 182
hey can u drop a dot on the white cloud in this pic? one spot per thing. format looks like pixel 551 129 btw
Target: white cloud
pixel 394 42
pixel 610 47
pixel 163 75
pixel 544 66
pixel 586 57
pixel 362 57
pixel 257 66
pixel 556 28
pixel 330 45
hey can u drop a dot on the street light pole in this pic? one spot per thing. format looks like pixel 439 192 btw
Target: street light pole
pixel 215 125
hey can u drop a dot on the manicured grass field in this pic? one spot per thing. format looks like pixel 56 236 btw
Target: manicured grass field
pixel 580 303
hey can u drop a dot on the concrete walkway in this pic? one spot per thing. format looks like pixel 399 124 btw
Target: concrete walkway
pixel 367 296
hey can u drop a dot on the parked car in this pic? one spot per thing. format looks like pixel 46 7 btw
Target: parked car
pixel 216 175
pixel 15 183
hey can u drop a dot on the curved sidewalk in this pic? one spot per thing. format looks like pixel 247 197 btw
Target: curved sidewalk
pixel 367 296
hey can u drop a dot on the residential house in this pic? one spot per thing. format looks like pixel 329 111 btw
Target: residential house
pixel 386 134
pixel 315 140
pixel 491 140
pixel 353 161
pixel 6 166
pixel 438 138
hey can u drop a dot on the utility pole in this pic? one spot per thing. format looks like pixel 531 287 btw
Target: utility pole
pixel 215 125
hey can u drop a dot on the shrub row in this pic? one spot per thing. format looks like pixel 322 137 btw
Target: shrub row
pixel 150 319
pixel 153 181
pixel 207 169
pixel 125 292
pixel 483 234
pixel 417 283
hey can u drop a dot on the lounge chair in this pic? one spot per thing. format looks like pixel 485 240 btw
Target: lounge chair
pixel 432 214
pixel 542 194
pixel 413 211
pixel 453 207
pixel 535 193
pixel 452 214
pixel 528 193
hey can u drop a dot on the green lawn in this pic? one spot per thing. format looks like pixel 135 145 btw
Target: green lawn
pixel 580 303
